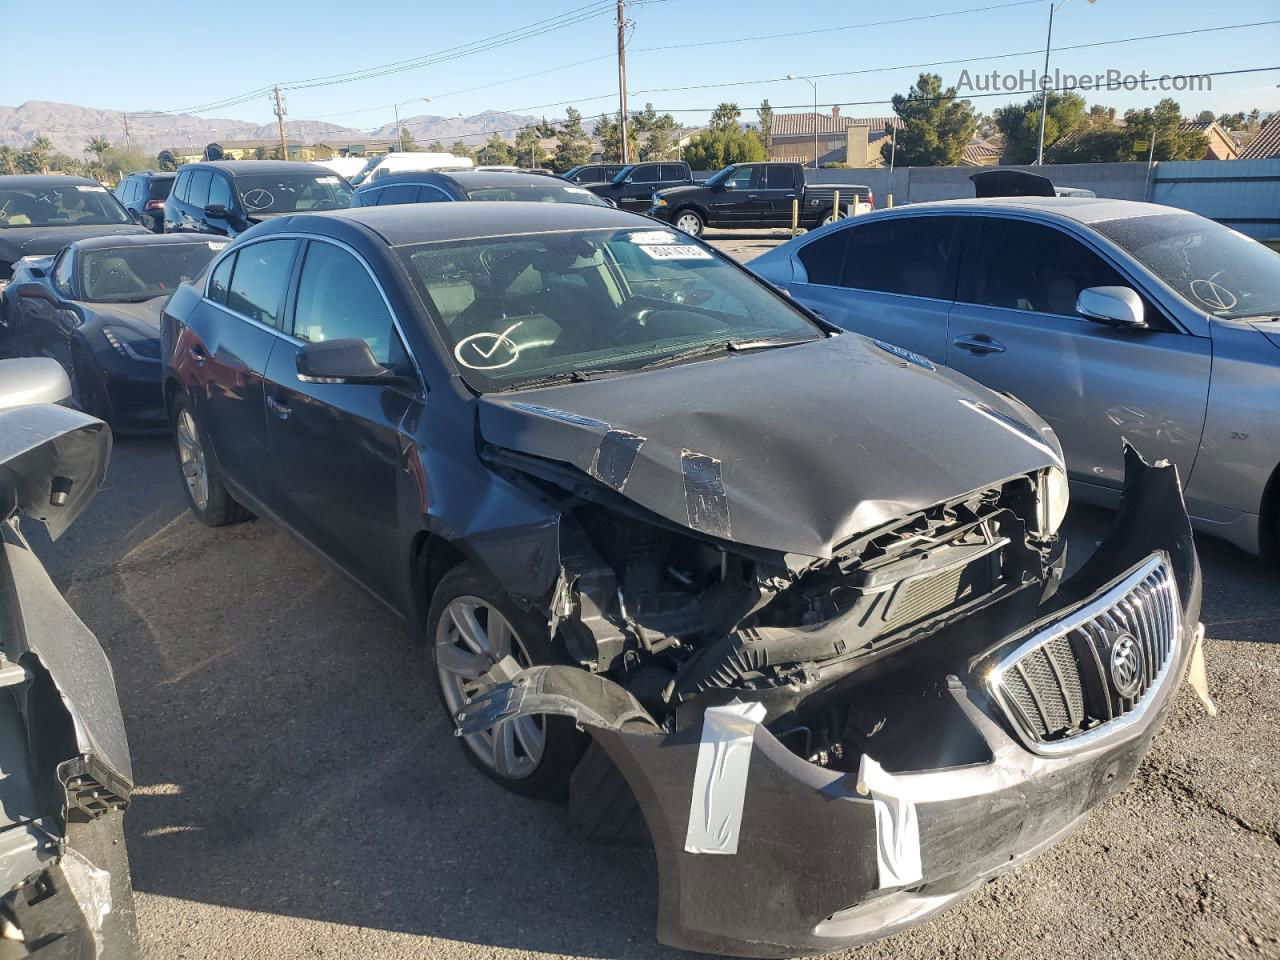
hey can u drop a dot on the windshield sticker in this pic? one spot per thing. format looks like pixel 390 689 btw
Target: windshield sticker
pixel 488 351
pixel 575 190
pixel 651 236
pixel 91 189
pixel 1213 295
pixel 258 199
pixel 676 251
pixel 218 246
pixel 326 179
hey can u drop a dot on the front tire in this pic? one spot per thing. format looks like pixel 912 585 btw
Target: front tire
pixel 690 222
pixel 472 625
pixel 201 478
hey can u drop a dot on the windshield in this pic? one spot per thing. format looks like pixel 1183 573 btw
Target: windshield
pixel 538 193
pixel 293 192
pixel 515 310
pixel 1213 267
pixel 140 272
pixel 86 204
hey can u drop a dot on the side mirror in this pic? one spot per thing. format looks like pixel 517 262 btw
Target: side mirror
pixel 610 201
pixel 32 380
pixel 346 360
pixel 37 291
pixel 217 211
pixel 1117 306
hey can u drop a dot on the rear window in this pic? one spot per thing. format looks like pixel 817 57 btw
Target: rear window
pixel 160 188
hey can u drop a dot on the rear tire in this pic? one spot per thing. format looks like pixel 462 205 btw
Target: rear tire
pixel 201 478
pixel 532 756
pixel 690 222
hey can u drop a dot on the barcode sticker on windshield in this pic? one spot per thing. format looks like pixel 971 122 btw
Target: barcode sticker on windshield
pixel 576 190
pixel 326 179
pixel 652 236
pixel 91 189
pixel 675 251
pixel 215 245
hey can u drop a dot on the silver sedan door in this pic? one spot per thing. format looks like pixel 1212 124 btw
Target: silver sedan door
pixel 1014 328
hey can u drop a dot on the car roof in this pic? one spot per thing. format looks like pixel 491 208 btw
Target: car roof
pixel 1080 209
pixel 146 240
pixel 426 223
pixel 250 167
pixel 466 179
pixel 157 174
pixel 44 180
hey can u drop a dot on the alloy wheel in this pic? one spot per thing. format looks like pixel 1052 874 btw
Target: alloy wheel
pixel 191 459
pixel 471 637
pixel 689 223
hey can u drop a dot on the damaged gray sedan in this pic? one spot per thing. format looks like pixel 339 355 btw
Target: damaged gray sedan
pixel 785 600
pixel 65 772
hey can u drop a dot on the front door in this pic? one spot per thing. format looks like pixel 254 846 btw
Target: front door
pixel 737 200
pixel 336 446
pixel 635 195
pixel 1014 328
pixel 230 337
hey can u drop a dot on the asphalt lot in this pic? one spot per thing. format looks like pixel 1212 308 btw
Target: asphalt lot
pixel 299 795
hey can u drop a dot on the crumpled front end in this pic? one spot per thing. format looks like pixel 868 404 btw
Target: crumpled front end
pixel 843 804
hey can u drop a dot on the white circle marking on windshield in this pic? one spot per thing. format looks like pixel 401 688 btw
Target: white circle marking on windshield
pixel 258 199
pixel 1213 295
pixel 485 346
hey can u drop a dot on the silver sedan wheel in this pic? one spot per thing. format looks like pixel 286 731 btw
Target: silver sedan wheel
pixel 689 223
pixel 191 459
pixel 471 637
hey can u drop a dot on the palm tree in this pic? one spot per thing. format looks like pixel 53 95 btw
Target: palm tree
pixel 38 150
pixel 99 147
pixel 8 160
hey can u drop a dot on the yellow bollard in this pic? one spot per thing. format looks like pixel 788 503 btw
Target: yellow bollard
pixel 795 216
pixel 835 205
pixel 890 203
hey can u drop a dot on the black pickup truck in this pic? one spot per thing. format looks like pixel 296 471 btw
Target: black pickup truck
pixel 756 195
pixel 633 186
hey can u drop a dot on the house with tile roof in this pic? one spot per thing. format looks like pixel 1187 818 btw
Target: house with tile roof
pixel 852 140
pixel 1267 142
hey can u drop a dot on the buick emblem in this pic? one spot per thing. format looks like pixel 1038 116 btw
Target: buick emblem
pixel 1126 665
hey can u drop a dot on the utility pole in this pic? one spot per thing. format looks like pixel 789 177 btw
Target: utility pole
pixel 127 143
pixel 622 80
pixel 279 109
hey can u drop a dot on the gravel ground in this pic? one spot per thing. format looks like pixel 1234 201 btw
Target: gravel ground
pixel 299 796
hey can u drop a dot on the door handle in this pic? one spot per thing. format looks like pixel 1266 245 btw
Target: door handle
pixel 753 196
pixel 198 354
pixel 281 410
pixel 790 196
pixel 978 343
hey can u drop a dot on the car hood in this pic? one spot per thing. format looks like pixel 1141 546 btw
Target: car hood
pixel 143 317
pixel 796 449
pixel 688 189
pixel 17 242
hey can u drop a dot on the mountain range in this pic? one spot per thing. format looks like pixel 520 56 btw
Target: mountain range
pixel 68 127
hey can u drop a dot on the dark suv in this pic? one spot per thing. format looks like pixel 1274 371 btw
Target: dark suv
pixel 227 197
pixel 592 172
pixel 143 194
pixel 633 186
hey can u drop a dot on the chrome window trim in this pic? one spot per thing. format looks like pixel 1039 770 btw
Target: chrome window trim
pixel 279 332
pixel 1121 727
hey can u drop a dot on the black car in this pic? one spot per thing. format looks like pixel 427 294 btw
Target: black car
pixel 632 188
pixel 755 195
pixel 592 172
pixel 95 308
pixel 65 889
pixel 227 197
pixel 799 587
pixel 428 187
pixel 143 194
pixel 40 215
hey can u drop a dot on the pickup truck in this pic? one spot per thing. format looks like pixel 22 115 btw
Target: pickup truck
pixel 633 186
pixel 757 195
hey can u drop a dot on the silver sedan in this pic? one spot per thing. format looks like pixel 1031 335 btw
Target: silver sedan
pixel 1114 320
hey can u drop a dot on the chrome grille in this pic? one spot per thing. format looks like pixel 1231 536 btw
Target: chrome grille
pixel 1095 669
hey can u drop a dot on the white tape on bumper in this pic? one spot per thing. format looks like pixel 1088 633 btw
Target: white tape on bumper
pixel 720 778
pixel 897 828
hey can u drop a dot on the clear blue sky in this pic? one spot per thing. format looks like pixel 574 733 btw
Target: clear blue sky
pixel 231 47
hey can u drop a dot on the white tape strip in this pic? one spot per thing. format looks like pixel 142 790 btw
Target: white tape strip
pixel 897 829
pixel 720 779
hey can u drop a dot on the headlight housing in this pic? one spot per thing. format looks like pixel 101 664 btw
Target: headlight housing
pixel 1053 496
pixel 658 201
pixel 129 344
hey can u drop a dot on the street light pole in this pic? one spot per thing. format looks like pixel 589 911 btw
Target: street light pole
pixel 812 83
pixel 1044 79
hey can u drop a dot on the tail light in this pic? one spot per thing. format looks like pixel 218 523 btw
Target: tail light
pixel 154 205
pixel 871 199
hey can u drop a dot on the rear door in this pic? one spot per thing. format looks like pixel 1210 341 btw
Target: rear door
pixel 1014 328
pixel 893 279
pixel 226 347
pixel 780 189
pixel 336 446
